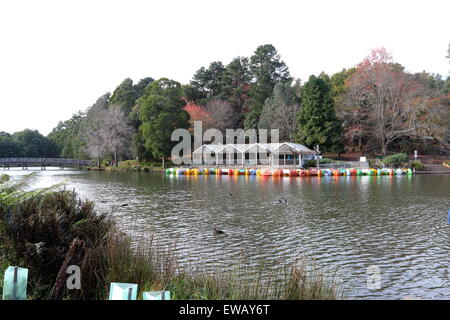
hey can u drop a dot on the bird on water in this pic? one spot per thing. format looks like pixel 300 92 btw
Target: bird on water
pixel 217 231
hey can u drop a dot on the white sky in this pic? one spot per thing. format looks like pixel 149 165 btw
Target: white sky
pixel 58 57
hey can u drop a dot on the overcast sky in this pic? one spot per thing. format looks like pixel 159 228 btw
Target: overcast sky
pixel 58 57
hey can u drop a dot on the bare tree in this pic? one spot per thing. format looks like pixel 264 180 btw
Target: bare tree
pixel 223 114
pixel 285 119
pixel 280 112
pixel 117 131
pixel 96 144
pixel 381 92
pixel 107 131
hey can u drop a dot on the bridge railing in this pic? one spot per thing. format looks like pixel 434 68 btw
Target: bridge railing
pixel 44 162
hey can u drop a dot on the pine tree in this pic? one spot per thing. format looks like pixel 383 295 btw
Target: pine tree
pixel 317 121
pixel 267 70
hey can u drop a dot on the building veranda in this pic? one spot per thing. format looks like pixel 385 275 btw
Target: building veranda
pixel 285 154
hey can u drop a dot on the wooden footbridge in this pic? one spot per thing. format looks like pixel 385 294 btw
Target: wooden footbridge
pixel 43 163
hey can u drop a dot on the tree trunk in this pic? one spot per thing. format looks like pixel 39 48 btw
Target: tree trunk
pixel 98 162
pixel 73 257
pixel 384 148
pixel 163 164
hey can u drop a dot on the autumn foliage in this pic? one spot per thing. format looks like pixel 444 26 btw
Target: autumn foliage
pixel 198 113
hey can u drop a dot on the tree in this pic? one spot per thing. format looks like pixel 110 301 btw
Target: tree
pixel 94 137
pixel 67 137
pixel 206 84
pixel 142 84
pixel 280 112
pixel 431 118
pixel 161 111
pixel 117 131
pixel 267 69
pixel 222 113
pixel 448 51
pixel 125 95
pixel 198 113
pixel 237 86
pixel 317 121
pixel 34 145
pixel 9 147
pixel 382 92
pixel 447 82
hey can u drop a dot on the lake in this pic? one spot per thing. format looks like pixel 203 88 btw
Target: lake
pixel 398 223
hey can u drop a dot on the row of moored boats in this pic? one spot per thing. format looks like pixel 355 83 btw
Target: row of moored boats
pixel 290 172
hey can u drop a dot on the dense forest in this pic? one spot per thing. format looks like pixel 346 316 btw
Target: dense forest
pixel 374 107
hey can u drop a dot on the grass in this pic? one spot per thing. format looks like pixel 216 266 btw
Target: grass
pixel 295 282
pixel 154 268
pixel 132 166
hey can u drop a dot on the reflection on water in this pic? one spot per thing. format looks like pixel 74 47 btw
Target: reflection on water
pixel 347 223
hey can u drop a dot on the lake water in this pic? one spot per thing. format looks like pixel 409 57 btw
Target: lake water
pixel 398 223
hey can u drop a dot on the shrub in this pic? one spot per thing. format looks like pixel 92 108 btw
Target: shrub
pixel 129 163
pixel 396 160
pixel 40 230
pixel 417 164
pixel 312 163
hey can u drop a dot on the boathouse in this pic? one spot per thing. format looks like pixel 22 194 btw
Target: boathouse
pixel 286 154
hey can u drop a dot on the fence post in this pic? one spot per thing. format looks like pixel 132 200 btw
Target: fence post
pixel 156 295
pixel 123 291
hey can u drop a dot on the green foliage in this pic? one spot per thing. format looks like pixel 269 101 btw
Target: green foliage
pixel 396 160
pixel 14 191
pixel 40 230
pixel 417 164
pixel 298 281
pixel 317 121
pixel 67 137
pixel 161 112
pixel 229 83
pixel 126 94
pixel 247 85
pixel 313 163
pixel 207 83
pixel 26 143
pixel 9 147
pixel 267 69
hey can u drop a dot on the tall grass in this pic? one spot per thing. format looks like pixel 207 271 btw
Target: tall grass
pixel 155 269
